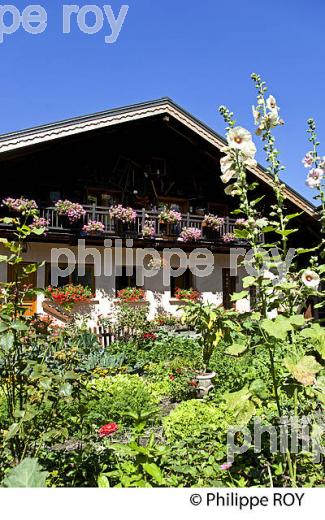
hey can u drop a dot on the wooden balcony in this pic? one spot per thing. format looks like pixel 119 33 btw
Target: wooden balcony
pixel 143 218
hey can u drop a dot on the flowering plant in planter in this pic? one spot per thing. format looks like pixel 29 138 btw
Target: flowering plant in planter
pixel 190 235
pixel 131 295
pixel 228 238
pixel 69 295
pixel 169 216
pixel 94 227
pixel 148 231
pixel 72 210
pixel 187 294
pixel 124 215
pixel 20 205
pixel 40 223
pixel 213 222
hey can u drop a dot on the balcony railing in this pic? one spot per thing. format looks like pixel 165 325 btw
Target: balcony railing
pixel 143 218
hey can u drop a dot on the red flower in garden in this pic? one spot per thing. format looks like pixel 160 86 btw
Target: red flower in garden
pixel 193 383
pixel 149 336
pixel 107 430
pixel 171 377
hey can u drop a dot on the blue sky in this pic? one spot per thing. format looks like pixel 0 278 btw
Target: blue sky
pixel 200 53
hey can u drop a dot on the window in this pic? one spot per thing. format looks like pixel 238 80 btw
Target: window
pixel 125 280
pixel 229 287
pixel 88 280
pixel 184 281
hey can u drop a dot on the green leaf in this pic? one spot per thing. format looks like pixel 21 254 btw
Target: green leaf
pixel 3 258
pixel 19 325
pixel 303 370
pixel 239 296
pixel 277 328
pixel 13 430
pixel 155 472
pixel 293 215
pixel 31 268
pixel 103 481
pixel 248 281
pixel 286 232
pixel 28 474
pixel 66 390
pixel 7 341
pixel 236 348
pixel 298 320
pixel 4 326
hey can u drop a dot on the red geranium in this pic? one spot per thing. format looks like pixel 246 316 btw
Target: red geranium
pixel 149 336
pixel 107 430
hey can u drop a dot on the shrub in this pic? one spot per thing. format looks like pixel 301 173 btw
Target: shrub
pixel 120 395
pixel 193 418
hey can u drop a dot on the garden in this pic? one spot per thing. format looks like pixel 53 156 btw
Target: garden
pixel 157 408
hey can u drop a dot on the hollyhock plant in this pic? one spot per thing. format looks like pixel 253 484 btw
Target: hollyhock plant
pixel 241 222
pixel 169 216
pixel 190 235
pixel 124 215
pixel 107 430
pixel 72 210
pixel 94 226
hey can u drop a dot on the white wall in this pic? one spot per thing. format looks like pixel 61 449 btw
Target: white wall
pixel 157 295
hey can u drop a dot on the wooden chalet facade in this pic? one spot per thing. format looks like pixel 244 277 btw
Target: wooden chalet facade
pixel 145 156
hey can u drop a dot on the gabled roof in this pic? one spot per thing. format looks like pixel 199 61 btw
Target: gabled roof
pixel 78 125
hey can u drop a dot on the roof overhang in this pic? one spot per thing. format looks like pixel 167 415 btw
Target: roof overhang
pixel 46 133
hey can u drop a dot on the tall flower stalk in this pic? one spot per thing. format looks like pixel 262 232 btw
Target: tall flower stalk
pixel 266 118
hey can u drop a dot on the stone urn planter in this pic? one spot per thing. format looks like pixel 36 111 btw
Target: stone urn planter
pixel 205 384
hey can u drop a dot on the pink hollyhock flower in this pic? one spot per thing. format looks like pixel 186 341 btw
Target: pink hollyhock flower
pixel 308 160
pixel 314 177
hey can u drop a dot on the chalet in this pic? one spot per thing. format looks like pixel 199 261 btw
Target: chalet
pixel 146 156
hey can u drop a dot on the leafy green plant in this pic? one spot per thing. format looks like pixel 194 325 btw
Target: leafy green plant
pixel 28 474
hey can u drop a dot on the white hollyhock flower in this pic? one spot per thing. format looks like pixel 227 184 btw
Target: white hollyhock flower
pixel 227 169
pixel 310 279
pixel 241 139
pixel 314 177
pixel 271 103
pixel 250 162
pixel 308 160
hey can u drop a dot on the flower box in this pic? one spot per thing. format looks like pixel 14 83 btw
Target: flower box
pixel 169 231
pixel 125 229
